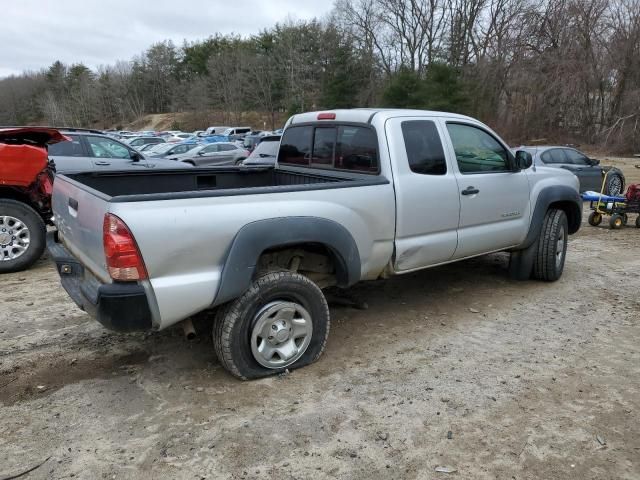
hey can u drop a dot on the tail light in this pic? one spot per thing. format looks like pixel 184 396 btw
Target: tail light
pixel 124 261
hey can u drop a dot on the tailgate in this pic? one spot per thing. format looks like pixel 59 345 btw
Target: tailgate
pixel 79 214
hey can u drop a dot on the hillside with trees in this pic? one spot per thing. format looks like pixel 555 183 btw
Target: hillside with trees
pixel 534 69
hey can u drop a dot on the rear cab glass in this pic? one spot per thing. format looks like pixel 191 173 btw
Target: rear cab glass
pixel 330 146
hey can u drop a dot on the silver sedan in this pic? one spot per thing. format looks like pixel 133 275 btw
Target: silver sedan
pixel 221 153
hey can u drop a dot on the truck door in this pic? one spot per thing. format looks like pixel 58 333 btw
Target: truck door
pixel 494 199
pixel 427 198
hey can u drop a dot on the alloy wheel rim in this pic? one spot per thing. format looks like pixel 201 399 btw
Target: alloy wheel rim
pixel 281 334
pixel 15 238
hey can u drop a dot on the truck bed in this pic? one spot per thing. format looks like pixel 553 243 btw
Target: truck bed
pixel 199 182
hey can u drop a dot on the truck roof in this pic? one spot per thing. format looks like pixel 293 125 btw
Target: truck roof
pixel 365 115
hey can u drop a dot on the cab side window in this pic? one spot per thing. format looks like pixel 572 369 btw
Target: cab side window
pixel 476 150
pixel 424 148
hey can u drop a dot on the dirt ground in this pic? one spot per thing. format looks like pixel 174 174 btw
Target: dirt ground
pixel 455 367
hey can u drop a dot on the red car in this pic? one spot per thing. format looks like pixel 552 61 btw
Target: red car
pixel 26 182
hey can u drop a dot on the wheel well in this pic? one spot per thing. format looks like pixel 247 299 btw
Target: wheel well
pixel 15 194
pixel 315 260
pixel 573 212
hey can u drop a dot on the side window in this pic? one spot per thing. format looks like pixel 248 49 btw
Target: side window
pixel 424 148
pixel 67 149
pixel 476 150
pixel 575 157
pixel 211 149
pixel 324 143
pixel 546 157
pixel 180 149
pixel 357 149
pixel 295 147
pixel 226 148
pixel 106 148
pixel 557 156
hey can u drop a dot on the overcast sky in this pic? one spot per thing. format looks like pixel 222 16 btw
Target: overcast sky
pixel 35 33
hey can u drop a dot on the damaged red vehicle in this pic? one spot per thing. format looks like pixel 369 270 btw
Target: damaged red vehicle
pixel 26 181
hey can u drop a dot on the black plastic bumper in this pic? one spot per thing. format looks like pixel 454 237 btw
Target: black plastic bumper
pixel 118 306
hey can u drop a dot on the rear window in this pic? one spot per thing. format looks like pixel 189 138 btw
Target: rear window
pixel 340 147
pixel 295 147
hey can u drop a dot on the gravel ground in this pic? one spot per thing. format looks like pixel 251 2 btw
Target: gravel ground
pixel 455 367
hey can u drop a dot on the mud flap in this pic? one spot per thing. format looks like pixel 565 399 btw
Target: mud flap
pixel 521 262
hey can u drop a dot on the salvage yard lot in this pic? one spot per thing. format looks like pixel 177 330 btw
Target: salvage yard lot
pixel 533 380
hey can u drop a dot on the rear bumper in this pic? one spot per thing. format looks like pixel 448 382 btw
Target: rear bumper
pixel 123 307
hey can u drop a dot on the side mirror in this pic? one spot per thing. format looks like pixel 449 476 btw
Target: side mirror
pixel 594 161
pixel 135 156
pixel 523 160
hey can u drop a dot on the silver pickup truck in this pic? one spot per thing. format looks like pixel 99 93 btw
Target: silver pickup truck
pixel 355 195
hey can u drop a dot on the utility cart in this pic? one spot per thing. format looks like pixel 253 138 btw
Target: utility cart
pixel 617 207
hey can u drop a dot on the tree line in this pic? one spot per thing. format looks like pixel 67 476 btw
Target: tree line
pixel 547 70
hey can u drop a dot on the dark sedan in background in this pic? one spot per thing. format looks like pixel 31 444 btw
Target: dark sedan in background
pixel 588 170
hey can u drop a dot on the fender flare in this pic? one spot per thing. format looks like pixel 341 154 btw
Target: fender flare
pixel 522 257
pixel 568 198
pixel 256 237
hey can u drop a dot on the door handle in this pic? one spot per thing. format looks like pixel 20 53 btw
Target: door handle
pixel 470 191
pixel 102 163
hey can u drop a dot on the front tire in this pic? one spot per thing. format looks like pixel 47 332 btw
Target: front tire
pixel 22 236
pixel 595 219
pixel 282 321
pixel 552 246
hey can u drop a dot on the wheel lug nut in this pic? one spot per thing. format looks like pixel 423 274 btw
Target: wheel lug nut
pixel 270 337
pixel 273 327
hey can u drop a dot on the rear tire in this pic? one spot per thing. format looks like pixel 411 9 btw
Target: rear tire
pixel 595 219
pixel 552 246
pixel 22 236
pixel 275 302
